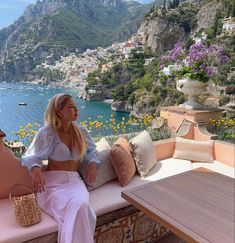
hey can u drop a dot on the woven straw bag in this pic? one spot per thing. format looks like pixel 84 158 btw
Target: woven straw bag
pixel 26 207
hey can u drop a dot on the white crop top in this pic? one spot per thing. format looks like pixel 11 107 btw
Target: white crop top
pixel 47 145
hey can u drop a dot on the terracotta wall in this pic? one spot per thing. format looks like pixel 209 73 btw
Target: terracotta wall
pixel 164 148
pixel 176 115
pixel 225 153
pixel 11 172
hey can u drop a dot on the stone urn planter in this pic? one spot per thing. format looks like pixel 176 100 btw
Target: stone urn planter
pixel 191 89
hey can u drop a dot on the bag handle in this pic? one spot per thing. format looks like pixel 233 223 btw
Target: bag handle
pixel 22 185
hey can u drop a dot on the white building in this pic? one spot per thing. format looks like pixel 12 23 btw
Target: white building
pixel 170 70
pixel 200 38
pixel 229 25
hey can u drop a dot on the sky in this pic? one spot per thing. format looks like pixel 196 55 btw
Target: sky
pixel 11 10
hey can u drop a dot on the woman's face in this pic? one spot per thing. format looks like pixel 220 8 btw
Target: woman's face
pixel 69 112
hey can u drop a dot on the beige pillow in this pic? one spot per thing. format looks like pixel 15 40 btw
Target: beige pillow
pixel 123 161
pixel 143 152
pixel 104 170
pixel 193 150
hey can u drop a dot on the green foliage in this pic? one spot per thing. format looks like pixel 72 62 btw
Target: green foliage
pixel 174 4
pixel 122 92
pixel 233 9
pixel 217 28
pixel 163 79
pixel 93 78
pixel 146 82
pixel 188 43
pixel 185 17
pixel 54 75
pixel 224 128
pixel 159 133
pixel 148 52
pixel 223 100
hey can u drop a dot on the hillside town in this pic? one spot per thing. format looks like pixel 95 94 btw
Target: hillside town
pixel 76 67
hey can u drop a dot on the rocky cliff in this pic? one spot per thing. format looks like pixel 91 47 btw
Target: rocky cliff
pixel 161 30
pixel 161 35
pixel 206 14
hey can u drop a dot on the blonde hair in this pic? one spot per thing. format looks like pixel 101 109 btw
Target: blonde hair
pixel 51 117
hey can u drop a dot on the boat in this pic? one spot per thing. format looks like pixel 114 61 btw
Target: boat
pixel 22 103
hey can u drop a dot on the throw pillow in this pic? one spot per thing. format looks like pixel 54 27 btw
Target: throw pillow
pixel 122 161
pixel 193 150
pixel 104 170
pixel 143 152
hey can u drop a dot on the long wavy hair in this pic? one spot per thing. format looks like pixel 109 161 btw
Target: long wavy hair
pixel 51 117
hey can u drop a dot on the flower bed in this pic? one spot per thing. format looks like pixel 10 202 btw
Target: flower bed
pixel 224 128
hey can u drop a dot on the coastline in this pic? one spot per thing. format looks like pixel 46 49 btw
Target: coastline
pixel 36 97
pixel 108 101
pixel 80 91
pixel 54 85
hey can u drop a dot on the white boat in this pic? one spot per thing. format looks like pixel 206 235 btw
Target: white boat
pixel 22 103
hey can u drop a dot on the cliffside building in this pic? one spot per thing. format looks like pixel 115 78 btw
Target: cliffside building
pixel 229 25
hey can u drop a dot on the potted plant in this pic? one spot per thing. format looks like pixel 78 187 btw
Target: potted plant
pixel 196 66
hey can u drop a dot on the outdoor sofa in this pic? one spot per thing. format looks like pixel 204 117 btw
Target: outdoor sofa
pixel 117 220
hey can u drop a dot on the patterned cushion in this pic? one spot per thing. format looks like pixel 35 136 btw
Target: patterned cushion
pixel 122 161
pixel 144 153
pixel 200 151
pixel 104 171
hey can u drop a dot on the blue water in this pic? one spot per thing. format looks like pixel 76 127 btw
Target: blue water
pixel 12 115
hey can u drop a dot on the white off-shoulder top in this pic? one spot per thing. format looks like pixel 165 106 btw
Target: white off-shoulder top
pixel 47 145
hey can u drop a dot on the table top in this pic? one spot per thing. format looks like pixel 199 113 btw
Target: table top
pixel 197 205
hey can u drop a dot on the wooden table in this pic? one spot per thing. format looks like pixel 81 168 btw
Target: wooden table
pixel 197 205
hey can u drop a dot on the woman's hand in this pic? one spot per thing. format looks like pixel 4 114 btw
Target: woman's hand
pixel 37 179
pixel 91 173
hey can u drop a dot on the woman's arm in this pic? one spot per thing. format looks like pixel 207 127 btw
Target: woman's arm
pixel 40 148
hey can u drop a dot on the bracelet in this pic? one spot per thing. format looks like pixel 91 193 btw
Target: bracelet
pixel 32 168
pixel 91 162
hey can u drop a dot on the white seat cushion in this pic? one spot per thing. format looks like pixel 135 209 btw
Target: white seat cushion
pixel 11 232
pixel 168 167
pixel 224 169
pixel 217 167
pixel 108 197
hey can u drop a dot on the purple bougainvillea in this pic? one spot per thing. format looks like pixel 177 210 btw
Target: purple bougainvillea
pixel 199 62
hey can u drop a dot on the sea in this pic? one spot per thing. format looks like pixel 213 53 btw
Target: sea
pixel 21 103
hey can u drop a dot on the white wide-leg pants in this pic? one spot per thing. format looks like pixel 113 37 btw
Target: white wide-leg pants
pixel 66 199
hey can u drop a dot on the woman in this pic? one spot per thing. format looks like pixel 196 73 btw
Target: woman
pixel 62 193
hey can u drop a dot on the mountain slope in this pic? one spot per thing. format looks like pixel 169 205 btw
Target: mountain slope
pixel 57 27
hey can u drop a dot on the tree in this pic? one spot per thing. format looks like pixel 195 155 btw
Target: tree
pixel 189 42
pixel 164 4
pixel 233 10
pixel 177 3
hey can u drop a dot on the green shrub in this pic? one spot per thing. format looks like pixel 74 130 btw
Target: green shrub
pixel 223 100
pixel 224 128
